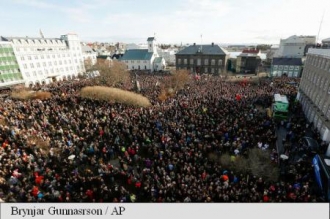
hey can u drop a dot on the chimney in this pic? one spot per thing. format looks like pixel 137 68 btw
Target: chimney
pixel 194 44
pixel 212 44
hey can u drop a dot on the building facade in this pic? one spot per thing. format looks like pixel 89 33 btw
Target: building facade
pixel 144 59
pixel 89 55
pixel 291 67
pixel 44 60
pixel 295 46
pixel 10 73
pixel 314 90
pixel 209 59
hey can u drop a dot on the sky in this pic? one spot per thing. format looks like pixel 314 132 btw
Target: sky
pixel 171 21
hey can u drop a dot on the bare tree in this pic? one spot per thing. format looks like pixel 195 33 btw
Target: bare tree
pixel 179 79
pixel 111 75
pixel 88 64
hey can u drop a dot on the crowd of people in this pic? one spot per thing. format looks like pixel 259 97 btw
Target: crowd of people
pixel 69 149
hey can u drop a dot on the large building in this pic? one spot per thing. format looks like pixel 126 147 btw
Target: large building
pixel 10 73
pixel 314 90
pixel 210 59
pixel 144 59
pixel 295 46
pixel 44 60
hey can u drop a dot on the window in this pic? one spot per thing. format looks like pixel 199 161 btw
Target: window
pixel 220 62
pixel 322 83
pixel 55 63
pixel 206 61
pixel 25 66
pixel 36 57
pixel 212 70
pixel 31 65
pixel 326 84
pixel 324 108
pixel 179 61
pixel 22 58
pixel 29 57
pixel 191 61
pixel 212 61
pixel 38 65
pixel 34 73
pixel 199 61
pixel 185 61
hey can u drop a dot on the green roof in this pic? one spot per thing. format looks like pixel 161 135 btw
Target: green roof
pixel 137 54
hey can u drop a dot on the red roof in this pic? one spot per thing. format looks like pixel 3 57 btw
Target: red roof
pixel 254 51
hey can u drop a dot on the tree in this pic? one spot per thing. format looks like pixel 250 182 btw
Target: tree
pixel 88 64
pixel 111 75
pixel 179 79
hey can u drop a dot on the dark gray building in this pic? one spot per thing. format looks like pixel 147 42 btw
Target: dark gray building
pixel 210 59
pixel 247 63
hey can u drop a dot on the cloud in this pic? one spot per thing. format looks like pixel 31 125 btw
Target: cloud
pixel 203 9
pixel 77 13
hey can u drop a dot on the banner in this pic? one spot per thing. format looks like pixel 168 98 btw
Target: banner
pixel 162 210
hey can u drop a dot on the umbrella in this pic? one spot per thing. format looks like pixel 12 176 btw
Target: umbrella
pixel 284 157
pixel 71 157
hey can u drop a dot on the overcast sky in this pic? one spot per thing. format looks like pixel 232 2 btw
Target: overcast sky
pixel 173 21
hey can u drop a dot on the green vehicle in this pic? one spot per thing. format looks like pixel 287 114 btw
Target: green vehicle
pixel 280 107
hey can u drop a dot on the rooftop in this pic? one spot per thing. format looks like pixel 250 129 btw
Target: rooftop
pixel 281 98
pixel 204 49
pixel 253 51
pixel 319 51
pixel 287 61
pixel 137 54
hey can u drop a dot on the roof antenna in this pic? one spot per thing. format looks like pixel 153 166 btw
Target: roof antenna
pixel 318 34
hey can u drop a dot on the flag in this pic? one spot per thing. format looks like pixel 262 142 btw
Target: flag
pixel 238 97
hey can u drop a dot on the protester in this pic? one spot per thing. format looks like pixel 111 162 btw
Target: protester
pixel 94 151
